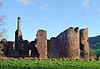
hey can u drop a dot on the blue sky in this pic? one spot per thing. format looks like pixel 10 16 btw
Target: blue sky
pixel 52 15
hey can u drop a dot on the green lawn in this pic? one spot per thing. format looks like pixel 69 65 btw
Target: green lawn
pixel 49 64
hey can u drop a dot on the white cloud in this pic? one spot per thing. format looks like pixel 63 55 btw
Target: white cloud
pixel 37 3
pixel 86 3
pixel 45 7
pixel 98 12
pixel 25 2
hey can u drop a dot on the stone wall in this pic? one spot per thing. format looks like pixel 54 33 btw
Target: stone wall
pixel 62 45
pixel 3 43
pixel 84 45
pixel 7 48
pixel 26 48
pixel 65 45
pixel 53 48
pixel 41 43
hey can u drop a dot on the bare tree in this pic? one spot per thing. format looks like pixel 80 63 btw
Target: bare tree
pixel 2 30
pixel 2 22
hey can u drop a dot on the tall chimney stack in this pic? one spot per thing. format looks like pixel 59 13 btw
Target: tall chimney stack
pixel 19 21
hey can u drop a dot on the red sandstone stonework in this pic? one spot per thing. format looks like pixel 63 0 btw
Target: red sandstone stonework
pixel 65 45
pixel 84 45
pixel 71 44
pixel 73 47
pixel 53 50
pixel 41 43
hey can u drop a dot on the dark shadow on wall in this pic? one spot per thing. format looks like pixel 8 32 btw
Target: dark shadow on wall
pixel 82 50
pixel 34 51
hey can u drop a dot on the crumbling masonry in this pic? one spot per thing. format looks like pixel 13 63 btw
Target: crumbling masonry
pixel 70 44
pixel 84 45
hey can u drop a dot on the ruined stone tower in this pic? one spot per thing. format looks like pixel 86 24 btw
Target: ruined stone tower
pixel 84 45
pixel 73 43
pixel 18 37
pixel 41 43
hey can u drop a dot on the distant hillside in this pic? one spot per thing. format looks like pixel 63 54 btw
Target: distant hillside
pixel 94 43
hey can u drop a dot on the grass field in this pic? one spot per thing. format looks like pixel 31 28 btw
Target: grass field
pixel 49 64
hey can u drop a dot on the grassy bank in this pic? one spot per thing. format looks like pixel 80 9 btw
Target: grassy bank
pixel 49 64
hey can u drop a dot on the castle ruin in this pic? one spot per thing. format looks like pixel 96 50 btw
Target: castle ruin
pixel 71 44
